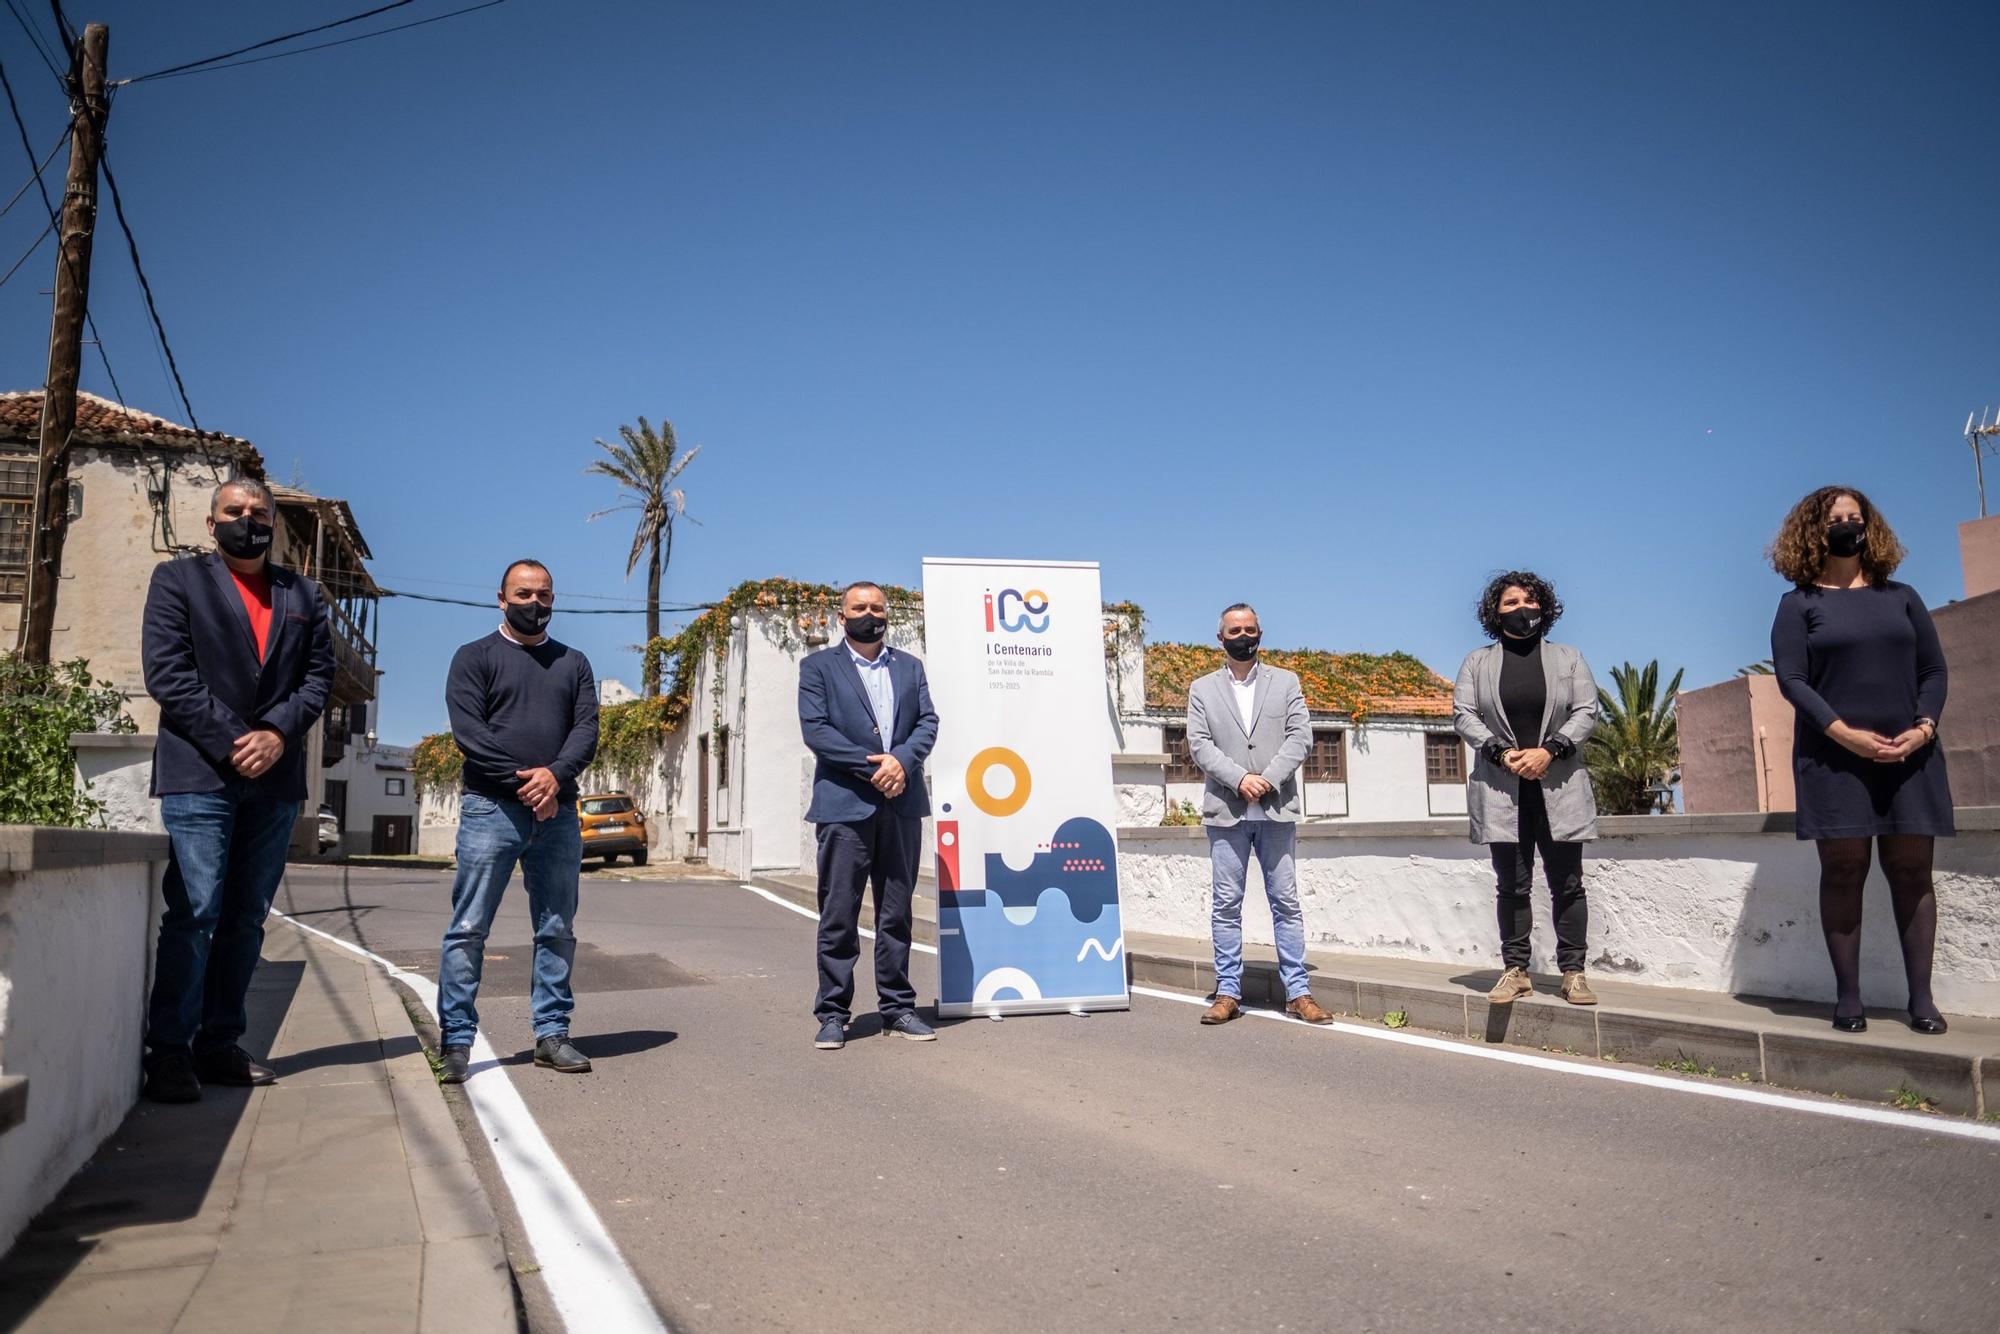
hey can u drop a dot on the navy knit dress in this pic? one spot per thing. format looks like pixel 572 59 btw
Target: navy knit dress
pixel 1868 657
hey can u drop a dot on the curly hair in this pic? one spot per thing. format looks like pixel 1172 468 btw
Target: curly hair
pixel 1798 552
pixel 1537 587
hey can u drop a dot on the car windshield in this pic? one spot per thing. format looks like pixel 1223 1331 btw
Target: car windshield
pixel 606 805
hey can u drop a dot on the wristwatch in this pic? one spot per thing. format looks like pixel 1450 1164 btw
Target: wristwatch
pixel 1930 727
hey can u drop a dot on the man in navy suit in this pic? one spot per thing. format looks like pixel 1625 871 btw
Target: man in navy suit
pixel 865 709
pixel 240 660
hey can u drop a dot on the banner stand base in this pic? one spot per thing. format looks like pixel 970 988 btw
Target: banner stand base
pixel 1000 1009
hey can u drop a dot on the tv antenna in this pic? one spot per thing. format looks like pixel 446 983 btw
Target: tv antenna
pixel 1982 437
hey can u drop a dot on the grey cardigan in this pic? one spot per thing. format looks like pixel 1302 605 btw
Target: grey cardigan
pixel 1493 795
pixel 1225 751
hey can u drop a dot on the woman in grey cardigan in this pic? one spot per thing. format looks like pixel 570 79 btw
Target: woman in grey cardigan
pixel 1526 706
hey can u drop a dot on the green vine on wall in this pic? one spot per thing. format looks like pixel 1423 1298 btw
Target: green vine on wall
pixel 792 606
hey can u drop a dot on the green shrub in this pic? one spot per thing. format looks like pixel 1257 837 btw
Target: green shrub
pixel 40 709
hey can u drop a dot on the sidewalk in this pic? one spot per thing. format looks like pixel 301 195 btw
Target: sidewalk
pixel 341 1198
pixel 1784 1043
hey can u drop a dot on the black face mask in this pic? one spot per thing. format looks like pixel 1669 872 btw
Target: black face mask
pixel 528 619
pixel 1846 539
pixel 1242 648
pixel 1521 622
pixel 244 538
pixel 866 629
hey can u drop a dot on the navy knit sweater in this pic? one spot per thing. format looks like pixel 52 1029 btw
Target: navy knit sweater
pixel 515 706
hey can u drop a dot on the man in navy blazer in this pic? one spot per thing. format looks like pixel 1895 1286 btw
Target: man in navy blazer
pixel 865 710
pixel 240 660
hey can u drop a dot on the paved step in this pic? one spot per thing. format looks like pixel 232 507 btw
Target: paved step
pixel 1770 1040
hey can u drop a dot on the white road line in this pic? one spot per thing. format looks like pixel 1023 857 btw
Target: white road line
pixel 593 1288
pixel 1881 1116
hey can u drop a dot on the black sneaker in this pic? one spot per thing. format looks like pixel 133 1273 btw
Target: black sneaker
pixel 232 1065
pixel 556 1053
pixel 911 1027
pixel 170 1077
pixel 832 1035
pixel 452 1063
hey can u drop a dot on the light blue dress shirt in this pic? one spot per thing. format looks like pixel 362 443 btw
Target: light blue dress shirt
pixel 881 690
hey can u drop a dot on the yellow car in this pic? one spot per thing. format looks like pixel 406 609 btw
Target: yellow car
pixel 612 824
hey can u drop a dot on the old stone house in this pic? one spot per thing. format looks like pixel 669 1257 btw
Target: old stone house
pixel 139 495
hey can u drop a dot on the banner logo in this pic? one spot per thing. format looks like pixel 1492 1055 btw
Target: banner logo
pixel 1032 614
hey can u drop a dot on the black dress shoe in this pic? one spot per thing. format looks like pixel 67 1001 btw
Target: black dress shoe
pixel 1857 1024
pixel 171 1078
pixel 1920 1024
pixel 232 1066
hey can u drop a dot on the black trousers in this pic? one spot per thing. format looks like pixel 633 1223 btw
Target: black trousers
pixel 1514 870
pixel 883 850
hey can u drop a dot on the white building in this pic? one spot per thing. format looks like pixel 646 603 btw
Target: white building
pixel 735 778
pixel 610 690
pixel 374 795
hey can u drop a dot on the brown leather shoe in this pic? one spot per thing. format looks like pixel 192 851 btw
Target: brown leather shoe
pixel 1308 1009
pixel 1224 1009
pixel 1577 991
pixel 1513 984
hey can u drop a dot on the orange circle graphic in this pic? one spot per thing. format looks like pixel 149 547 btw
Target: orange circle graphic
pixel 975 781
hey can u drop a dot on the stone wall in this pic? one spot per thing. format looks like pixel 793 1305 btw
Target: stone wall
pixel 78 914
pixel 1710 903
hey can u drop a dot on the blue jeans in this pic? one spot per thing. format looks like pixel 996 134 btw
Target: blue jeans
pixel 493 836
pixel 1229 850
pixel 227 857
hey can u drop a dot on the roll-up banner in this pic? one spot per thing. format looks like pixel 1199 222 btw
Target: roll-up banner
pixel 1027 865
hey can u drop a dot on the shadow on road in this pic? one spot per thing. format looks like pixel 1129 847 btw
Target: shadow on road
pixel 156 1168
pixel 604 1046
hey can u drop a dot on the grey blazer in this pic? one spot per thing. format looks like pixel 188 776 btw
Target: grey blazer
pixel 1493 795
pixel 1273 749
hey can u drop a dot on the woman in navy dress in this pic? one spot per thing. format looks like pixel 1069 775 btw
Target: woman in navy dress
pixel 1858 658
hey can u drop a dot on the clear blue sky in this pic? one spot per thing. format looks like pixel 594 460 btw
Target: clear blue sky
pixel 1336 308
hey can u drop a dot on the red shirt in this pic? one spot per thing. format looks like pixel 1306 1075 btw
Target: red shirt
pixel 255 590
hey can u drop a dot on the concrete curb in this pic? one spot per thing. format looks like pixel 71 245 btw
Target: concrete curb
pixel 1866 1068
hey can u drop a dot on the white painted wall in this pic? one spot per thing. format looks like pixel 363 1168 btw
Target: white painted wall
pixel 367 771
pixel 1701 902
pixel 76 950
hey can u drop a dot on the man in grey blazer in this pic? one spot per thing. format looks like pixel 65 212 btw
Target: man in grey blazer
pixel 1249 730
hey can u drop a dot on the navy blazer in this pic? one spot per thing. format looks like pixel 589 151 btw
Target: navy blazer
pixel 840 730
pixel 202 669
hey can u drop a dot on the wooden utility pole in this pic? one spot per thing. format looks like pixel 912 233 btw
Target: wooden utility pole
pixel 88 110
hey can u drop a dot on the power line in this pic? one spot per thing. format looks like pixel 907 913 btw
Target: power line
pixel 269 41
pixel 624 599
pixel 152 308
pixel 30 252
pixel 32 180
pixel 319 46
pixel 35 37
pixel 489 605
pixel 227 60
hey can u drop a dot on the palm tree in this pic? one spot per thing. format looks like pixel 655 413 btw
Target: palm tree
pixel 1764 667
pixel 645 465
pixel 1636 748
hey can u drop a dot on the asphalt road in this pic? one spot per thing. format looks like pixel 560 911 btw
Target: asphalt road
pixel 1137 1171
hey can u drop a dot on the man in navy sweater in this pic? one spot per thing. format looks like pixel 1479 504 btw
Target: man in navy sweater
pixel 240 659
pixel 524 714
